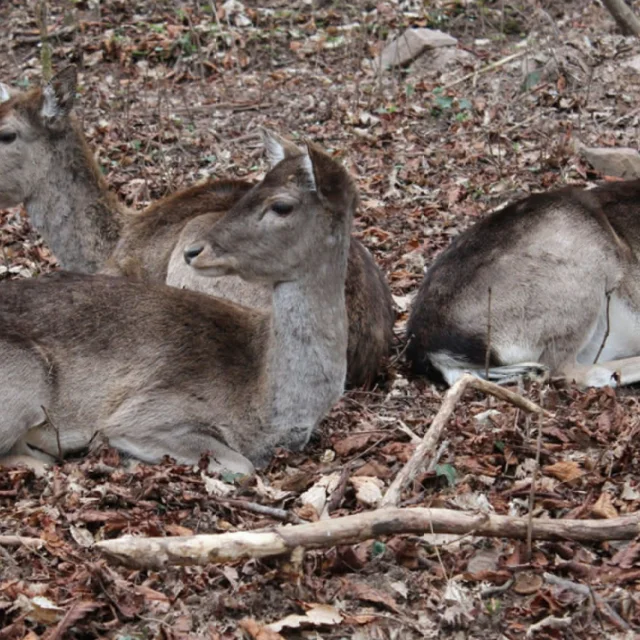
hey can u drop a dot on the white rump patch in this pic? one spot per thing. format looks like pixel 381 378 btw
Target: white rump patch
pixel 5 93
pixel 50 106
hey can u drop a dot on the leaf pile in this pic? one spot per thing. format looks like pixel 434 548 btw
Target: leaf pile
pixel 174 92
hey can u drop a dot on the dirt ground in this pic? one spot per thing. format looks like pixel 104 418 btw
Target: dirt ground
pixel 171 92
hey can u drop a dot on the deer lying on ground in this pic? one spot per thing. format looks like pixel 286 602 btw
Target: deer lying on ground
pixel 162 371
pixel 564 279
pixel 45 162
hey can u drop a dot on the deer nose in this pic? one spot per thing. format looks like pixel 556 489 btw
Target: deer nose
pixel 193 252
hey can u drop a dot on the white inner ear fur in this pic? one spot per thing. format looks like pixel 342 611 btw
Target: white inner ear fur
pixel 50 107
pixel 274 150
pixel 307 165
pixel 4 92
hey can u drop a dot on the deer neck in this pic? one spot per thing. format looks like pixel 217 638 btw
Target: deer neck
pixel 72 208
pixel 307 359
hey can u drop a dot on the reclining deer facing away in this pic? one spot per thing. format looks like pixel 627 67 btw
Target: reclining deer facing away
pixel 564 277
pixel 45 162
pixel 161 371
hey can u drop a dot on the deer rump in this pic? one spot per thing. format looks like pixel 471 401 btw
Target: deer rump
pixel 562 268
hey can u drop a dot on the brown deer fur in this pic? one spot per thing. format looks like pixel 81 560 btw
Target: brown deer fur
pixel 52 170
pixel 160 371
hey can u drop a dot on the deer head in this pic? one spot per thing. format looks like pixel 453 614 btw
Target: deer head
pixel 29 125
pixel 303 206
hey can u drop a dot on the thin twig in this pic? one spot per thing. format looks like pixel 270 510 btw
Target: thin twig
pixel 56 431
pixel 401 426
pixel 585 590
pixel 606 333
pixel 436 457
pixel 338 494
pixel 489 592
pixel 263 510
pixel 532 491
pixel 487 356
pixel 489 67
pixel 21 541
pixel 420 457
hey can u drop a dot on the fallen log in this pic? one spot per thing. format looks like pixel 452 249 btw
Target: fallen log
pixel 156 553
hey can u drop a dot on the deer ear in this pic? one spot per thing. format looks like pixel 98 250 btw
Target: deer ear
pixel 277 148
pixel 5 92
pixel 333 183
pixel 58 96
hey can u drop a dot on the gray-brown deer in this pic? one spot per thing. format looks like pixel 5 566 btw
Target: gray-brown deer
pixel 564 279
pixel 45 162
pixel 162 371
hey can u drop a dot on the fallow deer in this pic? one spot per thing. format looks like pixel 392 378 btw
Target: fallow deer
pixel 551 281
pixel 46 163
pixel 162 371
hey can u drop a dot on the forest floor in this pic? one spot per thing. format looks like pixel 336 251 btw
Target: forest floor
pixel 171 93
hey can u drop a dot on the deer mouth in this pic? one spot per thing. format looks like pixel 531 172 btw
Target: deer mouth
pixel 202 258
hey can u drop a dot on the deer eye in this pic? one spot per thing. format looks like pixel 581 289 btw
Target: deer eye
pixel 282 208
pixel 7 137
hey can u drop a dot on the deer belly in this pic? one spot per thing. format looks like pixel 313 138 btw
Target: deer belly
pixel 622 339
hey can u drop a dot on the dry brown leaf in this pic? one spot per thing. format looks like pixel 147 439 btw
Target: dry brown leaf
pixel 368 490
pixel 603 508
pixel 527 583
pixel 565 471
pixel 77 611
pixel 317 615
pixel 363 591
pixel 352 444
pixel 177 530
pixel 257 631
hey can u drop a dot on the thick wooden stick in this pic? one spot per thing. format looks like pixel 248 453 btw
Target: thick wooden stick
pixel 501 393
pixel 420 458
pixel 428 444
pixel 156 553
pixel 18 541
pixel 624 17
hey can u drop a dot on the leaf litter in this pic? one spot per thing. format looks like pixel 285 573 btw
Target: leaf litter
pixel 171 93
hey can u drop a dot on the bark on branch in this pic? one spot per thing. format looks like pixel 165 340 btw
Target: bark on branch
pixel 624 17
pixel 156 553
pixel 425 450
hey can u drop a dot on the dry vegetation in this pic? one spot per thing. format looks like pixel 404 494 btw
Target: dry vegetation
pixel 172 92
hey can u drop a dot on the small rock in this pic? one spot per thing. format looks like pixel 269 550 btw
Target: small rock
pixel 411 44
pixel 619 162
pixel 628 492
pixel 485 416
pixel 368 490
pixel 442 64
pixel 484 560
pixel 631 63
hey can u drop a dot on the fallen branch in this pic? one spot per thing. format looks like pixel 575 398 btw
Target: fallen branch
pixel 587 592
pixel 18 541
pixel 624 17
pixel 489 67
pixel 156 553
pixel 420 457
pixel 261 509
